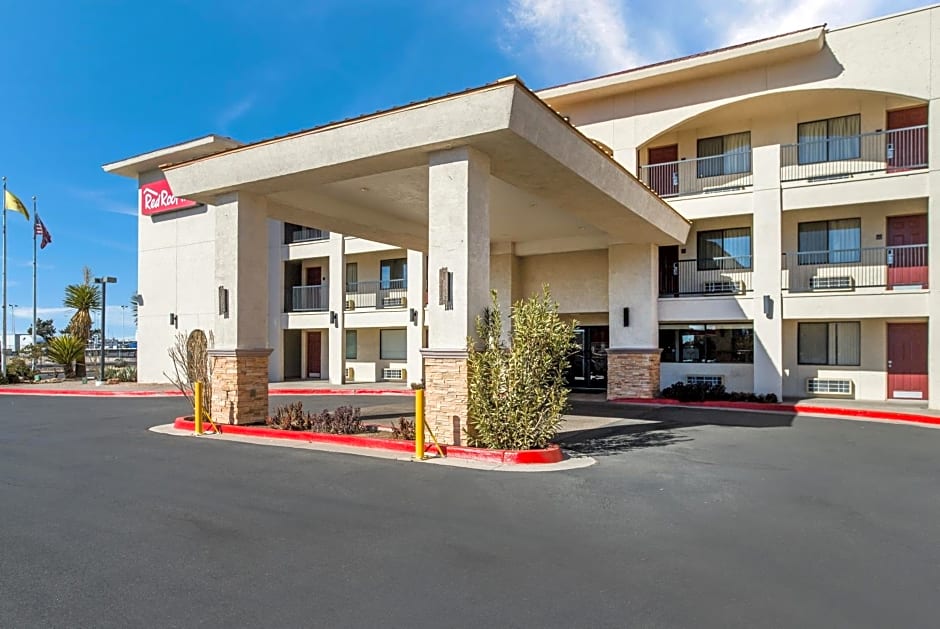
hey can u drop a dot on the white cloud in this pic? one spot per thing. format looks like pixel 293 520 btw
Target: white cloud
pixel 570 39
pixel 234 111
pixel 737 21
pixel 591 33
pixel 101 200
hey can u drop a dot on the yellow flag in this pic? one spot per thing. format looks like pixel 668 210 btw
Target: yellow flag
pixel 12 202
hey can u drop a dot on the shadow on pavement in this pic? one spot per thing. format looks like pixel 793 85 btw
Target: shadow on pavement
pixel 659 427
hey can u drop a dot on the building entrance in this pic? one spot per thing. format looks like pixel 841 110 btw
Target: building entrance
pixel 588 363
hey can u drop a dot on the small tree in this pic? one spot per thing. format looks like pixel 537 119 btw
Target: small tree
pixel 44 328
pixel 190 357
pixel 517 394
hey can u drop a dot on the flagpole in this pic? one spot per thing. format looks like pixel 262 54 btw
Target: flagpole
pixel 3 344
pixel 35 270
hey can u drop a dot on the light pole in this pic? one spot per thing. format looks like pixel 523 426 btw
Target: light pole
pixel 123 332
pixel 104 281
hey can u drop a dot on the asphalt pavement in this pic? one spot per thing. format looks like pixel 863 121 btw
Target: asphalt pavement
pixel 689 519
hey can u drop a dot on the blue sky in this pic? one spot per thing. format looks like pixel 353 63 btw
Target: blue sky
pixel 89 82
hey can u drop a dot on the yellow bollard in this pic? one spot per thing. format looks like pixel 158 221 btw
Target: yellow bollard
pixel 197 406
pixel 419 424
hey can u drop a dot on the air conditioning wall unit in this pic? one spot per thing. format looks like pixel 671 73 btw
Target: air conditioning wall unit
pixel 397 373
pixel 724 287
pixel 832 283
pixel 350 374
pixel 830 386
pixel 350 304
pixel 394 302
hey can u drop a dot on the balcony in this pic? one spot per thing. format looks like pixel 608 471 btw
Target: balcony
pixel 294 234
pixel 379 295
pixel 893 268
pixel 727 172
pixel 895 150
pixel 315 298
pixel 728 276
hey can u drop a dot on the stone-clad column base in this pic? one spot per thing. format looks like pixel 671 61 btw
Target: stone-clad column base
pixel 632 373
pixel 446 394
pixel 239 385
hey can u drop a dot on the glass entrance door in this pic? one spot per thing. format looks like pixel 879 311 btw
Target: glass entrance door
pixel 588 363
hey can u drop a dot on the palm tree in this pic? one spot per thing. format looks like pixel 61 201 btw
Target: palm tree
pixel 84 298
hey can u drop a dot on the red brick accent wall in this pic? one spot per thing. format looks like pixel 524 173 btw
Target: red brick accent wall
pixel 633 374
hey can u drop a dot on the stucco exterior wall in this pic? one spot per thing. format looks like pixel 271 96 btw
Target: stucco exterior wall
pixel 172 277
pixel 578 280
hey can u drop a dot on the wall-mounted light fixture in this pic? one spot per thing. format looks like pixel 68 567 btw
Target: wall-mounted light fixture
pixel 334 318
pixel 445 281
pixel 223 302
pixel 413 316
pixel 768 306
pixel 626 317
pixel 174 320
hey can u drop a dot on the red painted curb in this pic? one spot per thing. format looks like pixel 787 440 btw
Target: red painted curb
pixel 91 393
pixel 551 454
pixel 272 392
pixel 799 409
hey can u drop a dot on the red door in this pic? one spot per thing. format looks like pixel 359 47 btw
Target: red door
pixel 905 147
pixel 313 354
pixel 907 251
pixel 664 179
pixel 907 361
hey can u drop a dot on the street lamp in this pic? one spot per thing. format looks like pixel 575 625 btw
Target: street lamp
pixel 104 281
pixel 13 308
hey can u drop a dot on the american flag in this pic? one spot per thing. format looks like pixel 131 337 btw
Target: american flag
pixel 42 231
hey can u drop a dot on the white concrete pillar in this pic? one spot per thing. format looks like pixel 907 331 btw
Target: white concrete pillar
pixel 337 325
pixel 766 248
pixel 458 281
pixel 276 256
pixel 933 239
pixel 240 355
pixel 417 281
pixel 504 279
pixel 633 356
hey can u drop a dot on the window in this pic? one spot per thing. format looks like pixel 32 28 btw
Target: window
pixel 352 344
pixel 707 343
pixel 830 242
pixel 394 273
pixel 829 343
pixel 724 155
pixel 352 277
pixel 829 140
pixel 725 249
pixel 393 345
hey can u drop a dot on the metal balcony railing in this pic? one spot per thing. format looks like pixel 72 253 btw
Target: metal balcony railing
pixel 314 298
pixel 889 151
pixel 306 234
pixel 709 276
pixel 381 294
pixel 702 175
pixel 847 269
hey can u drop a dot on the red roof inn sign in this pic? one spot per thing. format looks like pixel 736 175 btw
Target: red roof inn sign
pixel 156 198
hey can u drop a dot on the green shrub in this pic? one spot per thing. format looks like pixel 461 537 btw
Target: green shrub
pixel 345 420
pixel 686 392
pixel 517 395
pixel 65 350
pixel 122 374
pixel 20 369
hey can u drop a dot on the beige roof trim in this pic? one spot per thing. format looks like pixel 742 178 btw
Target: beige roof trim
pixel 191 149
pixel 770 50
